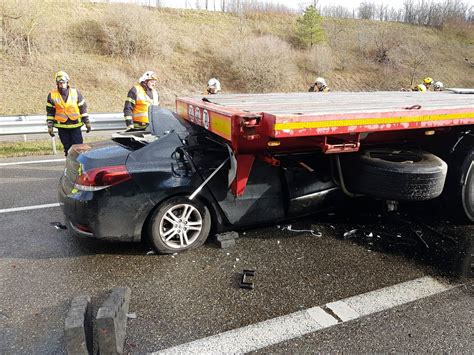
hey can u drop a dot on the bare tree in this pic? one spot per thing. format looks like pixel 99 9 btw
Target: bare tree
pixel 366 10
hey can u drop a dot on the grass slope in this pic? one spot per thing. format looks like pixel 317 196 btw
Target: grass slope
pixel 106 47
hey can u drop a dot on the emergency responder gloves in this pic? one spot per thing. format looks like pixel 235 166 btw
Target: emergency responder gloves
pixel 129 122
pixel 88 127
pixel 51 129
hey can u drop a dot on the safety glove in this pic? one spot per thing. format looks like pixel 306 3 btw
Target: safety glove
pixel 51 129
pixel 88 127
pixel 129 122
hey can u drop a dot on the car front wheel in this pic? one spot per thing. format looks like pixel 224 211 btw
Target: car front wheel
pixel 179 224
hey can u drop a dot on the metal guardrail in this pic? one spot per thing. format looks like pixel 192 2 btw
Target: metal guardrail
pixel 34 124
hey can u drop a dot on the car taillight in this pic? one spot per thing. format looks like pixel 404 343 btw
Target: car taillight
pixel 101 178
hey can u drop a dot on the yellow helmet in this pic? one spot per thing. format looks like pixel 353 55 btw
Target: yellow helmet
pixel 428 81
pixel 61 76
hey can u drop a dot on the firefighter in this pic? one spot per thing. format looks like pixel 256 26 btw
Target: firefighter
pixel 213 86
pixel 319 86
pixel 438 86
pixel 139 99
pixel 66 110
pixel 424 86
pixel 427 82
pixel 420 87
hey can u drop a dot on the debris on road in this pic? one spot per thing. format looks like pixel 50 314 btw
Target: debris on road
pixel 151 252
pixel 311 231
pixel 244 283
pixel 226 239
pixel 132 315
pixel 58 225
pixel 350 234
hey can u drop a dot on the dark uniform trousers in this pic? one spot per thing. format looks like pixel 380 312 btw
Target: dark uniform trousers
pixel 70 136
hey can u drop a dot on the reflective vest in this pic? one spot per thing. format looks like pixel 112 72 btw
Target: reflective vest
pixel 140 110
pixel 420 87
pixel 66 110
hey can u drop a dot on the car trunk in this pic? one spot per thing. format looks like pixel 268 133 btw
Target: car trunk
pixel 83 157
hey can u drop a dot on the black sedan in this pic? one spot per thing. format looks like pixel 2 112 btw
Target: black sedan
pixel 170 185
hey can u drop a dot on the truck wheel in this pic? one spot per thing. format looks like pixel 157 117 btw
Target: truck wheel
pixel 179 224
pixel 460 185
pixel 392 174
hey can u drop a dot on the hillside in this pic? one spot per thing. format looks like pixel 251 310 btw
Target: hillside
pixel 105 48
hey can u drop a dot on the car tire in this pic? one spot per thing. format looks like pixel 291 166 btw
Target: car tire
pixel 391 174
pixel 179 224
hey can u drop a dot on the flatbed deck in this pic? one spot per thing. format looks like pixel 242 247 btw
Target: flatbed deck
pixel 287 115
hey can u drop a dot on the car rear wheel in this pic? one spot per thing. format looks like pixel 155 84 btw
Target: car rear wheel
pixel 179 224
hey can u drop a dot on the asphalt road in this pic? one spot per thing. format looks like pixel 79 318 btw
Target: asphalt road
pixel 185 297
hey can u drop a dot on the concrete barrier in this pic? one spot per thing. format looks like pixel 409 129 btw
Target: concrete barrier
pixel 78 326
pixel 111 321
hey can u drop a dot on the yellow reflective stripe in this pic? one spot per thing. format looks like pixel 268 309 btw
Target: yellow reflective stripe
pixel 142 114
pixel 63 125
pixel 49 105
pixel 130 100
pixel 370 121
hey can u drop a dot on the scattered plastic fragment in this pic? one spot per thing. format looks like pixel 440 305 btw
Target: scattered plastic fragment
pixel 151 252
pixel 301 257
pixel 244 283
pixel 350 233
pixel 313 233
pixel 58 225
pixel 132 315
pixel 419 234
pixel 237 259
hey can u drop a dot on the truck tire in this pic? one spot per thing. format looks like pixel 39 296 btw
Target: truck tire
pixel 391 174
pixel 179 224
pixel 460 185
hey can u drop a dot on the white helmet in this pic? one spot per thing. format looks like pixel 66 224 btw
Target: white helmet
pixel 148 75
pixel 438 86
pixel 320 81
pixel 213 86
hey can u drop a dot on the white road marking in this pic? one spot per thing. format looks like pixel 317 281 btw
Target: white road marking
pixel 276 330
pixel 33 162
pixel 343 311
pixel 17 209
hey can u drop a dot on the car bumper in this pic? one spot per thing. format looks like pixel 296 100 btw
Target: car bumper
pixel 117 213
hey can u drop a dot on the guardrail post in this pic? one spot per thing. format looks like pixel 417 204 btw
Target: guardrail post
pixel 53 142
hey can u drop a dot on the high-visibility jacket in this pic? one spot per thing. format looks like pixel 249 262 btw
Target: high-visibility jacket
pixel 420 87
pixel 142 103
pixel 67 113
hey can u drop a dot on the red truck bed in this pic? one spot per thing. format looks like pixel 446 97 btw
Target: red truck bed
pixel 256 124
